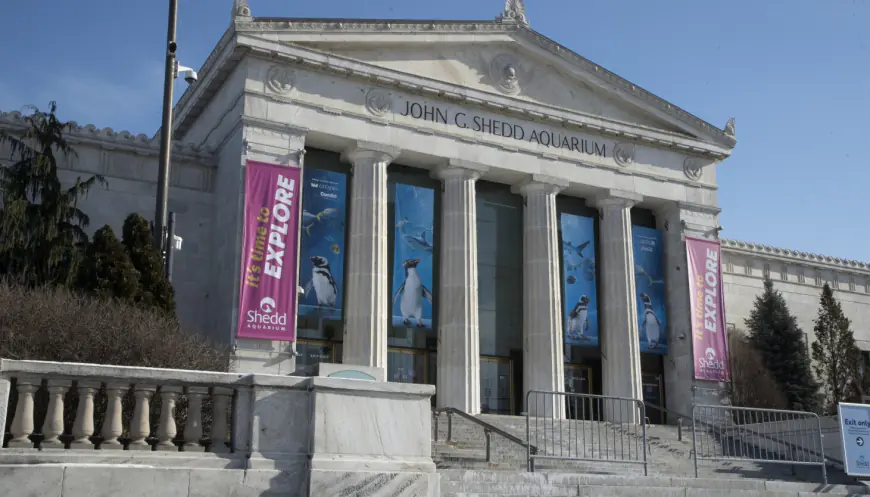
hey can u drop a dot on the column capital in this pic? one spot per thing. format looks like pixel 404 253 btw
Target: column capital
pixel 540 183
pixel 616 198
pixel 368 151
pixel 452 168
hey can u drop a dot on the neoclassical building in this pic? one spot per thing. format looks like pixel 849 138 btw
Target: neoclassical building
pixel 503 136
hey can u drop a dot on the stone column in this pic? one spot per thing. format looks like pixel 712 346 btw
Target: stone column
pixel 458 321
pixel 617 307
pixel 367 309
pixel 676 221
pixel 543 356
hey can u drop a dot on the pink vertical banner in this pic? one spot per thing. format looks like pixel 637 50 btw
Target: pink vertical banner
pixel 707 301
pixel 270 248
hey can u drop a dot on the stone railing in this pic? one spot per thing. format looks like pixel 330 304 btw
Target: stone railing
pixel 200 433
pixel 139 387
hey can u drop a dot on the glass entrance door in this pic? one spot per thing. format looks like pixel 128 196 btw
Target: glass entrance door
pixel 407 366
pixel 313 352
pixel 652 394
pixel 495 385
pixel 578 379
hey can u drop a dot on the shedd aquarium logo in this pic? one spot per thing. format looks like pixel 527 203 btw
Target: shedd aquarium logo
pixel 710 361
pixel 862 462
pixel 266 318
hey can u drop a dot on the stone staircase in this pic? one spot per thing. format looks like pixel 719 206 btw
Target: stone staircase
pixel 469 483
pixel 465 471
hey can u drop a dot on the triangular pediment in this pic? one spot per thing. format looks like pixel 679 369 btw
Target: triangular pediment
pixel 504 70
pixel 505 61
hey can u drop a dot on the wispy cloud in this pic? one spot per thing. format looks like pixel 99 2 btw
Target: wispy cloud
pixel 117 99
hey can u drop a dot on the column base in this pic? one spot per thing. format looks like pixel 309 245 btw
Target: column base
pixel 141 446
pixel 114 445
pixel 81 445
pixel 20 444
pixel 52 445
pixel 193 448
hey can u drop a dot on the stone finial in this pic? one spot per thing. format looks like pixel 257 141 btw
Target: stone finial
pixel 241 9
pixel 514 11
pixel 729 127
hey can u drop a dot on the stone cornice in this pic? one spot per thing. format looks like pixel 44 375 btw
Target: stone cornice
pixel 794 255
pixel 311 59
pixel 610 79
pixel 16 122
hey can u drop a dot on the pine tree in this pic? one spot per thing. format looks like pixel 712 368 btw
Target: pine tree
pixel 154 289
pixel 836 355
pixel 106 270
pixel 42 230
pixel 780 342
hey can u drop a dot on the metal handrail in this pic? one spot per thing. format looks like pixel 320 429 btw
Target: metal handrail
pixel 785 416
pixel 578 432
pixel 487 429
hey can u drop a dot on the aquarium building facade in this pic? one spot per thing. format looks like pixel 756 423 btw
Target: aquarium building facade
pixel 479 206
pixel 462 203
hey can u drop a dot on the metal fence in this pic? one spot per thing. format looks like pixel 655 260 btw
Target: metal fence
pixel 757 435
pixel 567 426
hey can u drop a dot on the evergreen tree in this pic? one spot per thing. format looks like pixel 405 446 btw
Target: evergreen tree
pixel 41 227
pixel 106 270
pixel 837 357
pixel 154 289
pixel 780 342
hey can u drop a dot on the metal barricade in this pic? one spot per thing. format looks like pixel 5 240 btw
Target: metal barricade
pixel 728 433
pixel 583 427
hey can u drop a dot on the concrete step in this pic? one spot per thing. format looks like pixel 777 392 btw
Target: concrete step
pixel 465 483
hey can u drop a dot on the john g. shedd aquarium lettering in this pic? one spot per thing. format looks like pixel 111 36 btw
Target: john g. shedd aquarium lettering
pixel 506 129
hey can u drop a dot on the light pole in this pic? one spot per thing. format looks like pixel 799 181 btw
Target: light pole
pixel 161 209
pixel 163 242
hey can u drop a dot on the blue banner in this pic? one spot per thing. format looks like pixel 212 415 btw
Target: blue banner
pixel 412 295
pixel 578 280
pixel 321 255
pixel 650 290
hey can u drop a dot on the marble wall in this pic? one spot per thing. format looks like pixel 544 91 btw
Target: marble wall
pixel 800 280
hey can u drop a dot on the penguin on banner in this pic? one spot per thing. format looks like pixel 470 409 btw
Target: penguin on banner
pixel 412 292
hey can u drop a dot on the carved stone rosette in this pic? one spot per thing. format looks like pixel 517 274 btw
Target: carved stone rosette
pixel 280 80
pixel 623 154
pixel 379 102
pixel 504 72
pixel 692 168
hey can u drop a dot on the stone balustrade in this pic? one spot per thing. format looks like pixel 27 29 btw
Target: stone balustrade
pixel 88 385
pixel 101 430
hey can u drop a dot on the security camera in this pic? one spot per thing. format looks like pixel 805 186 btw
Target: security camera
pixel 189 75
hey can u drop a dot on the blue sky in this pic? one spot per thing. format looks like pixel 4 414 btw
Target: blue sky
pixel 795 74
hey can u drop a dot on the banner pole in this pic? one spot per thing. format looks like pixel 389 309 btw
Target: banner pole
pixel 299 291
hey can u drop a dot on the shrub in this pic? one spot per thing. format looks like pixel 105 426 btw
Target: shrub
pixel 55 324
pixel 154 290
pixel 752 384
pixel 106 270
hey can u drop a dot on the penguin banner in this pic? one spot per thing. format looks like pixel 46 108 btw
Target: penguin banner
pixel 270 234
pixel 321 261
pixel 650 290
pixel 412 296
pixel 578 280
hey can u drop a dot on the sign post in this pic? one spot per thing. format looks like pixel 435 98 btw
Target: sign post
pixel 855 430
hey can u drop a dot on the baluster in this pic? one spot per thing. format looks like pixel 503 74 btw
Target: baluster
pixel 52 428
pixel 113 422
pixel 221 402
pixel 22 423
pixel 83 427
pixel 140 425
pixel 193 427
pixel 166 429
